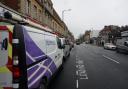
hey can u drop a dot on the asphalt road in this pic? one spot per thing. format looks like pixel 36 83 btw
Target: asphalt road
pixel 92 67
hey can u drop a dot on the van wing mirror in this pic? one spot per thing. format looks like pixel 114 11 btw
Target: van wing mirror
pixel 119 37
pixel 63 46
pixel 126 43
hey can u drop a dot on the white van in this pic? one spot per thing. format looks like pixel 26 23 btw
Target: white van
pixel 122 42
pixel 28 57
pixel 66 47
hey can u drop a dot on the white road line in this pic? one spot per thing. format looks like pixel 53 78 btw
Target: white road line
pixel 84 78
pixel 77 84
pixel 76 72
pixel 111 59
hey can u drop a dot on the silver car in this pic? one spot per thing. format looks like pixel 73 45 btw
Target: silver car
pixel 109 46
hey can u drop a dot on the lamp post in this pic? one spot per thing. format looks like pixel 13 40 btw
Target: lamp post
pixel 63 13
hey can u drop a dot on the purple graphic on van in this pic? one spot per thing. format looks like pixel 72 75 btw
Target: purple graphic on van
pixel 33 54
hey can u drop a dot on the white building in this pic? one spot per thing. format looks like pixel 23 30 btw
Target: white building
pixel 93 36
pixel 94 33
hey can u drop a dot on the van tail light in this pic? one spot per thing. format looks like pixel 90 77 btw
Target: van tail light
pixel 16 77
pixel 15 61
pixel 16 68
pixel 16 72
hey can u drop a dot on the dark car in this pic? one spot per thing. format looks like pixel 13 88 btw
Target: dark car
pixel 77 43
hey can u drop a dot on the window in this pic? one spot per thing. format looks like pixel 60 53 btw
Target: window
pixel 35 11
pixel 40 0
pixel 40 15
pixel 27 6
pixel 58 42
pixel 46 13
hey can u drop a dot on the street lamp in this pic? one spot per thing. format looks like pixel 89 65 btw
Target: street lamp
pixel 63 13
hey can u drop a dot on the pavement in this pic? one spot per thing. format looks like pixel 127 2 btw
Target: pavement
pixel 92 67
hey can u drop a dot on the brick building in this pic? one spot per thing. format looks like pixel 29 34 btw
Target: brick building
pixel 87 36
pixel 108 34
pixel 40 11
pixel 14 6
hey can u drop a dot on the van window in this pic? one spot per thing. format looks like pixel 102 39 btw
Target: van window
pixel 58 42
pixel 50 41
pixel 3 47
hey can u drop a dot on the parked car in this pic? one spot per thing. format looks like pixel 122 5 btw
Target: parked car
pixel 109 46
pixel 66 47
pixel 71 45
pixel 122 42
pixel 86 42
pixel 77 43
pixel 29 55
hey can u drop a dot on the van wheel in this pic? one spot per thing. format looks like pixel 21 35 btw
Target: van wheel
pixel 69 54
pixel 63 59
pixel 43 84
pixel 61 67
pixel 117 50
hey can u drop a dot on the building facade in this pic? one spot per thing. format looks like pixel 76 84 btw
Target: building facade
pixel 108 34
pixel 94 36
pixel 87 36
pixel 41 12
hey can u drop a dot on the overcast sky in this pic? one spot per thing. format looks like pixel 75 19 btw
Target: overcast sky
pixel 92 14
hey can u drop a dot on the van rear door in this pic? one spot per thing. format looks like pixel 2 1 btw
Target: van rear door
pixel 6 56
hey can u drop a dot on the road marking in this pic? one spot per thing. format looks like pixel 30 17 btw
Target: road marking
pixel 111 59
pixel 77 84
pixel 84 78
pixel 81 72
pixel 76 72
